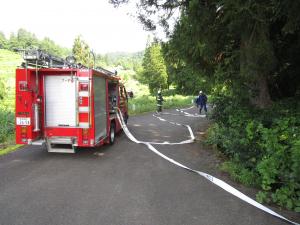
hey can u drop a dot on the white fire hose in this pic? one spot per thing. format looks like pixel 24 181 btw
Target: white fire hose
pixel 209 177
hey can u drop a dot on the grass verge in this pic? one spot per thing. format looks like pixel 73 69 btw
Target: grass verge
pixel 144 103
pixel 6 148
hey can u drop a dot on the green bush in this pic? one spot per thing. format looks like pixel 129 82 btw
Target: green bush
pixel 241 174
pixel 263 147
pixel 170 92
pixel 7 126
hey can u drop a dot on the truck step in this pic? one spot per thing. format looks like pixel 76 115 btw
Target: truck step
pixel 38 142
pixel 61 148
pixel 60 145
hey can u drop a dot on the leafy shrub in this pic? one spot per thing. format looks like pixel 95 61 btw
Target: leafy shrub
pixel 170 92
pixel 263 146
pixel 7 126
pixel 241 174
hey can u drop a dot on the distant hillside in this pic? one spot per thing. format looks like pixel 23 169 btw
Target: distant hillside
pixel 24 39
pixel 125 54
pixel 115 56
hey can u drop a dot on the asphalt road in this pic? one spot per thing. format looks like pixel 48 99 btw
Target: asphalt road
pixel 124 184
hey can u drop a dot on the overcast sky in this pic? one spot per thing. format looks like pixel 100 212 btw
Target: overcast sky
pixel 103 27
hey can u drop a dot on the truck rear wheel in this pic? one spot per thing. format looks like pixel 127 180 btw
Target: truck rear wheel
pixel 112 133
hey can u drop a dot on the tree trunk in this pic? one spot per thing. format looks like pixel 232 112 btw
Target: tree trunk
pixel 257 60
pixel 263 99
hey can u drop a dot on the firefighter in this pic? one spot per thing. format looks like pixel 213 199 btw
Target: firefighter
pixel 201 102
pixel 159 101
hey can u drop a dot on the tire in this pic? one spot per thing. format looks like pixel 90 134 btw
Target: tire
pixel 112 133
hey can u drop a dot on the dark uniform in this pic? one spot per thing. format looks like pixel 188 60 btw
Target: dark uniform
pixel 159 101
pixel 201 101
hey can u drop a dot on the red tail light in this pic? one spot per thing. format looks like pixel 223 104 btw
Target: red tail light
pixel 23 131
pixel 85 133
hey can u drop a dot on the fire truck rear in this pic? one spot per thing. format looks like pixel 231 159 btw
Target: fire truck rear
pixel 65 105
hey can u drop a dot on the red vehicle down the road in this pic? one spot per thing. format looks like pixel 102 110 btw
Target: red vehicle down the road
pixel 65 106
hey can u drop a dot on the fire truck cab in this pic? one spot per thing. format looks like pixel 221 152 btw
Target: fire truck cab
pixel 65 106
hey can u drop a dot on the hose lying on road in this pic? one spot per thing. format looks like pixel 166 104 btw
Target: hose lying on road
pixel 209 177
pixel 182 113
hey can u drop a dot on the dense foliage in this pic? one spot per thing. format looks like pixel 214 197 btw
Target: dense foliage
pixel 7 129
pixel 6 116
pixel 246 53
pixel 186 79
pixel 8 62
pixel 154 72
pixel 82 52
pixel 263 146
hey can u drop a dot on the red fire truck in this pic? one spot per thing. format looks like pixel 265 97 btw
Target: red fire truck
pixel 65 105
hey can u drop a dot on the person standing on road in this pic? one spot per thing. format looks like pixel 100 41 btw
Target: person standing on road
pixel 159 101
pixel 201 101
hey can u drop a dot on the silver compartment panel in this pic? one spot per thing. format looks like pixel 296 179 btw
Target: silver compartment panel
pixel 60 100
pixel 100 107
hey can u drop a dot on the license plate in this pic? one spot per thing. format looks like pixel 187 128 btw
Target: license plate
pixel 23 121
